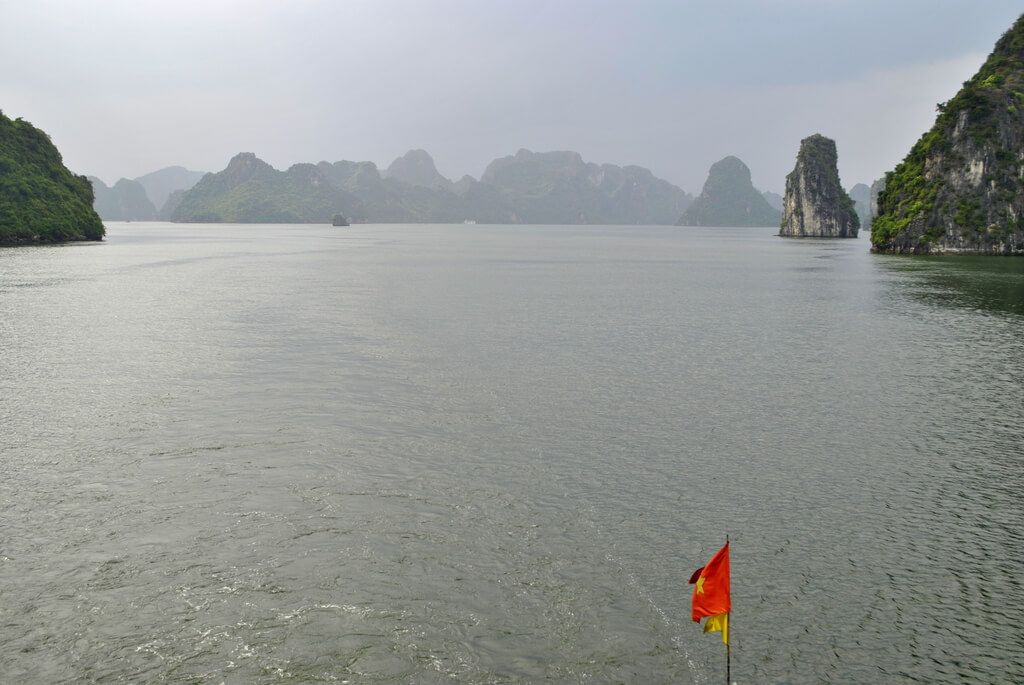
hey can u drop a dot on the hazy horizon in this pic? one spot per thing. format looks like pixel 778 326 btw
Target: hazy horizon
pixel 125 90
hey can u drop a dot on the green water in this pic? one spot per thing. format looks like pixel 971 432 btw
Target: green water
pixel 495 454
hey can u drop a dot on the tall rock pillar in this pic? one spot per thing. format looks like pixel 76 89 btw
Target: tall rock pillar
pixel 816 206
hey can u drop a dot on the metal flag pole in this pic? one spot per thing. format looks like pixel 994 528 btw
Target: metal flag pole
pixel 728 622
pixel 728 660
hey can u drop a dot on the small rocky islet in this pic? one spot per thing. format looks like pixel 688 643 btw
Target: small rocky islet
pixel 815 204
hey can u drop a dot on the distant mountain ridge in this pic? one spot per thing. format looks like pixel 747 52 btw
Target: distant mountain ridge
pixel 144 198
pixel 774 199
pixel 251 191
pixel 528 187
pixel 161 183
pixel 126 200
pixel 861 196
pixel 559 187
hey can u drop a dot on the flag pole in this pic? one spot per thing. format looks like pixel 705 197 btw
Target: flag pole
pixel 728 645
pixel 728 660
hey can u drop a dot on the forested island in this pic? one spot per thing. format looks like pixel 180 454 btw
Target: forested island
pixel 40 200
pixel 960 189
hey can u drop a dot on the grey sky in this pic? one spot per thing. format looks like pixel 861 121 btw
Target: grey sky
pixel 127 87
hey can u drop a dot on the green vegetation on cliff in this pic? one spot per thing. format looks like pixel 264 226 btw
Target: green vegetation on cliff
pixel 960 188
pixel 40 200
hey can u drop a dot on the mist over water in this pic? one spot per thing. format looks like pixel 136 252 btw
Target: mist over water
pixel 494 454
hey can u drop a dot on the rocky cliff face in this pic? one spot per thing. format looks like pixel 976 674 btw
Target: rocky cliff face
pixel 961 188
pixel 816 206
pixel 729 199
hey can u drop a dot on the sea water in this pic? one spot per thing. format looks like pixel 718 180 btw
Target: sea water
pixel 496 453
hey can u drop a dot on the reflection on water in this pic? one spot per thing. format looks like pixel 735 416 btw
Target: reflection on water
pixel 994 284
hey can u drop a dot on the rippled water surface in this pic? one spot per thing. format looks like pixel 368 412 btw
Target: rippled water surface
pixel 495 454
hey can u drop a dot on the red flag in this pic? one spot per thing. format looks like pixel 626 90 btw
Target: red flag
pixel 711 591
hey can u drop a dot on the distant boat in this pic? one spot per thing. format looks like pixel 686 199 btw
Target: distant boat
pixel 339 220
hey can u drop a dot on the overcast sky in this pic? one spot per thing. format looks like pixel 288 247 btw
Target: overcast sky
pixel 127 87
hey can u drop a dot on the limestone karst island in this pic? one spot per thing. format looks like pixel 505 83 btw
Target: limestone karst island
pixel 815 204
pixel 961 187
